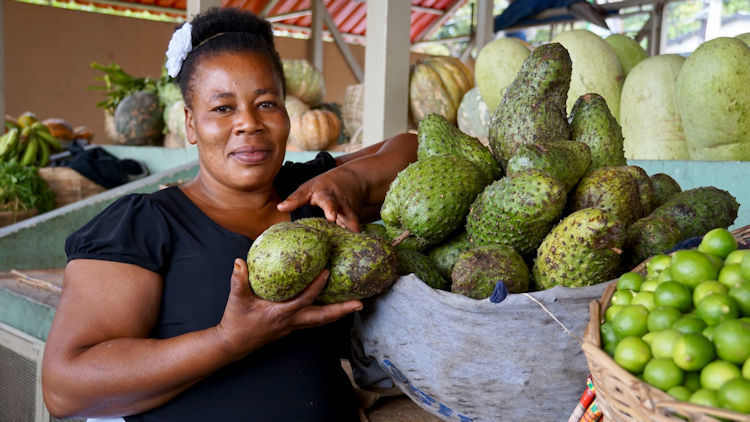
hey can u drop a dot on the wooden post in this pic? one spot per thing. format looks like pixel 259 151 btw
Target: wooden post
pixel 485 24
pixel 196 6
pixel 316 34
pixel 386 70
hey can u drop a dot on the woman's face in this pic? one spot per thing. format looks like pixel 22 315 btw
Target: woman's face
pixel 238 119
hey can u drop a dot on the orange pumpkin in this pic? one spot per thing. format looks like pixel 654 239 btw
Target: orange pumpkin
pixel 314 130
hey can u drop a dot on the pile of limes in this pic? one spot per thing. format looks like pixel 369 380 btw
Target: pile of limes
pixel 685 327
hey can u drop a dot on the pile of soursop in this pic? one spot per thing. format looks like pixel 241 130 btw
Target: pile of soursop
pixel 552 202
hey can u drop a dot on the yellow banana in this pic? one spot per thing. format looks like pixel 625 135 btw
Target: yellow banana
pixel 8 143
pixel 29 153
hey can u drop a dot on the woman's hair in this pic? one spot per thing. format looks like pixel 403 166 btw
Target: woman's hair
pixel 217 31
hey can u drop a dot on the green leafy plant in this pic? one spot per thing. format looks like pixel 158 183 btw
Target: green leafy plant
pixel 118 84
pixel 21 188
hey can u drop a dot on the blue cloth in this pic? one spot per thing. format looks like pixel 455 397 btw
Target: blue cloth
pixel 518 11
pixel 500 292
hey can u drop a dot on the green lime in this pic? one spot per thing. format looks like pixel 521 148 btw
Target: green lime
pixel 650 285
pixel 708 332
pixel 662 318
pixel 649 337
pixel 705 288
pixel 692 380
pixel 622 297
pixel 745 267
pixel 716 373
pixel 732 340
pixel 718 241
pixel 717 307
pixel 662 345
pixel 611 311
pixel 680 392
pixel 690 267
pixel 664 276
pixel 704 397
pixel 630 281
pixel 746 369
pixel 716 260
pixel 632 353
pixel 689 324
pixel 741 293
pixel 735 257
pixel 735 395
pixel 663 374
pixel 644 298
pixel 674 294
pixel 657 264
pixel 692 352
pixel 608 336
pixel 731 275
pixel 632 320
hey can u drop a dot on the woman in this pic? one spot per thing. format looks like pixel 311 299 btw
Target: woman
pixel 155 322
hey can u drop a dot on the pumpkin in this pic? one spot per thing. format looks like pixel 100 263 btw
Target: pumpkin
pixel 59 128
pixel 303 81
pixel 138 119
pixel 437 85
pixel 294 106
pixel 474 116
pixel 314 129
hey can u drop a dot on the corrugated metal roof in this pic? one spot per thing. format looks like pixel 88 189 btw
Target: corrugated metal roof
pixel 350 16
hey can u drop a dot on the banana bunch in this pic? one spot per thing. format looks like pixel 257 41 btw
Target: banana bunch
pixel 29 142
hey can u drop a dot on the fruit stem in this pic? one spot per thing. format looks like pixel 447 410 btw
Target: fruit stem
pixel 404 234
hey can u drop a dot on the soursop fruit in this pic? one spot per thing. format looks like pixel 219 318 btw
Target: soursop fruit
pixel 437 136
pixel 612 190
pixel 446 253
pixel 285 259
pixel 478 270
pixel 361 265
pixel 651 235
pixel 593 124
pixel 414 262
pixel 664 188
pixel 566 161
pixel 584 249
pixel 431 197
pixel 517 211
pixel 645 188
pixel 533 108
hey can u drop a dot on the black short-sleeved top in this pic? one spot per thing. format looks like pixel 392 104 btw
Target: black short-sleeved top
pixel 296 378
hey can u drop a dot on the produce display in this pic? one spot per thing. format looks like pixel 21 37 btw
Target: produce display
pixel 303 81
pixel 22 189
pixel 315 129
pixel 437 85
pixel 682 324
pixel 497 64
pixel 30 142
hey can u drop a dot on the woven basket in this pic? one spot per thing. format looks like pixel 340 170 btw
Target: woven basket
pixel 68 185
pixel 625 398
pixel 11 217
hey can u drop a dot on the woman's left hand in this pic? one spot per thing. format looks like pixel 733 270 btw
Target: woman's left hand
pixel 339 192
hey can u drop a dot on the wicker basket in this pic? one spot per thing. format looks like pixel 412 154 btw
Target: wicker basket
pixel 625 398
pixel 68 185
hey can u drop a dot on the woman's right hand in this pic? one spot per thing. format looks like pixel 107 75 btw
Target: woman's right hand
pixel 250 322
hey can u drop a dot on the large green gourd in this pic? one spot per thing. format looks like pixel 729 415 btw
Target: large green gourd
pixel 138 119
pixel 304 81
pixel 437 85
pixel 496 66
pixel 474 116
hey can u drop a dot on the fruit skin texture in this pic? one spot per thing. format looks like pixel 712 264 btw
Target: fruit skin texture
pixel 437 136
pixel 533 109
pixel 432 196
pixel 645 187
pixel 713 97
pixel 424 267
pixel 517 210
pixel 593 124
pixel 285 258
pixel 361 265
pixel 473 116
pixel 437 85
pixel 581 250
pixel 138 119
pixel 496 66
pixel 665 187
pixel 446 253
pixel 567 161
pixel 629 53
pixel 478 270
pixel 612 190
pixel 314 129
pixel 651 123
pixel 303 81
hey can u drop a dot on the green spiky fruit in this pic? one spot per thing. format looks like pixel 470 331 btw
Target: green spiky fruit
pixel 584 249
pixel 446 253
pixel 414 262
pixel 612 190
pixel 566 161
pixel 285 259
pixel 593 124
pixel 651 235
pixel 699 210
pixel 517 211
pixel 478 270
pixel 665 187
pixel 645 188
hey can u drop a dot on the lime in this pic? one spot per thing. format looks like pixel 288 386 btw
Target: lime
pixel 663 374
pixel 732 340
pixel 735 257
pixel 717 307
pixel 692 352
pixel 730 275
pixel 674 294
pixel 644 298
pixel 662 344
pixel 649 337
pixel 745 267
pixel 716 373
pixel 705 288
pixel 746 369
pixel 741 293
pixel 622 297
pixel 664 276
pixel 608 337
pixel 704 397
pixel 680 392
pixel 689 324
pixel 632 353
pixel 718 241
pixel 632 320
pixel 611 311
pixel 735 395
pixel 650 285
pixel 657 264
pixel 690 267
pixel 662 318
pixel 630 281
pixel 692 380
pixel 708 332
pixel 716 260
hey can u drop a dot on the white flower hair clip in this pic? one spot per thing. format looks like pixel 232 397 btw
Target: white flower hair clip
pixel 179 46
